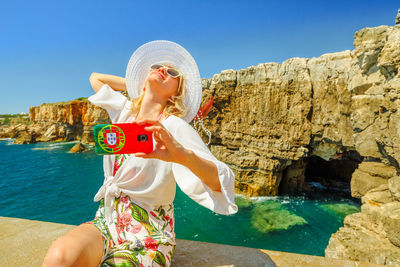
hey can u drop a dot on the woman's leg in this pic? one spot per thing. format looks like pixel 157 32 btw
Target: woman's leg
pixel 82 246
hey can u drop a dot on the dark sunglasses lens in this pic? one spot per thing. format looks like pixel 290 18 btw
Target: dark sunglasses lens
pixel 155 66
pixel 173 73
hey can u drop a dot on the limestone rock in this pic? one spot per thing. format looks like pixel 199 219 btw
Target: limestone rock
pixel 388 61
pixel 50 134
pixel 272 115
pixel 24 138
pixel 7 132
pixel 380 194
pixel 370 175
pixel 394 187
pixel 372 235
pixel 392 222
pixel 397 20
pixel 387 217
pixel 377 169
pixel 294 178
pixel 330 98
pixel 363 245
pixel 78 147
pixel 326 151
pixel 65 121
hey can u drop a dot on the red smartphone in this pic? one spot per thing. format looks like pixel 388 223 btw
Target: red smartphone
pixel 122 138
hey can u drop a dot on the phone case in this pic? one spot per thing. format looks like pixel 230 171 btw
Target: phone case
pixel 122 138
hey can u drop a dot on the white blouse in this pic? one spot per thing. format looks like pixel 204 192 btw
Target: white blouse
pixel 153 181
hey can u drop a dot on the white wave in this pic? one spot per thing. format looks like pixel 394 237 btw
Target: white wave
pixel 52 146
pixel 318 185
pixel 264 198
pixel 282 199
pixel 45 148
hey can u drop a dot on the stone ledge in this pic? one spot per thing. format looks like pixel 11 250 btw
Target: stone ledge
pixel 25 243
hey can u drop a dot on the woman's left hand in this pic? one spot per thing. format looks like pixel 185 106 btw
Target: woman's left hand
pixel 167 148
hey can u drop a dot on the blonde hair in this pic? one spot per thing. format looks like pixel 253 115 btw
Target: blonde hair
pixel 175 106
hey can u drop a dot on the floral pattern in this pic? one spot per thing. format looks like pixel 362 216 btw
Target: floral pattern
pixel 119 160
pixel 145 237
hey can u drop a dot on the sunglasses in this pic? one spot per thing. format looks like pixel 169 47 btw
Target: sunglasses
pixel 171 72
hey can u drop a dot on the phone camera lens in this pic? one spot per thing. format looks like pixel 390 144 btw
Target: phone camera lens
pixel 142 138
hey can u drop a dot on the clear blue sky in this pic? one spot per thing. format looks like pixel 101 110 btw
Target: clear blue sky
pixel 48 49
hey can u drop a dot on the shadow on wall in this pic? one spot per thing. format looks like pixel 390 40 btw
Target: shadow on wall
pixel 220 255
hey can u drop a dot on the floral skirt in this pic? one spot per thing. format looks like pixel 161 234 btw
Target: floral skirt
pixel 145 236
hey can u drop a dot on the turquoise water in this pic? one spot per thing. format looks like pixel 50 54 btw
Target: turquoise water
pixel 43 182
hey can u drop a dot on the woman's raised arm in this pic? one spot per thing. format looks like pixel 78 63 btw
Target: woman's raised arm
pixel 97 80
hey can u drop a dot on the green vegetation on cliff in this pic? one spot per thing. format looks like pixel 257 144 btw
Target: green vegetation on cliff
pixel 67 102
pixel 7 119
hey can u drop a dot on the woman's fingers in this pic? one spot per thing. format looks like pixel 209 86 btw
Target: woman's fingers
pixel 146 155
pixel 153 128
pixel 157 153
pixel 157 128
pixel 157 138
pixel 160 132
pixel 142 155
pixel 166 146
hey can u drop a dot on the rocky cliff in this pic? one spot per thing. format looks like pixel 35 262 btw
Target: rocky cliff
pixel 272 121
pixel 280 125
pixel 64 121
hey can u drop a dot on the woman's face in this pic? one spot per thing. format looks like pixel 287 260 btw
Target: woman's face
pixel 161 82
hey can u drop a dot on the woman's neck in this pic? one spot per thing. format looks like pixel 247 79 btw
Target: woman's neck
pixel 151 107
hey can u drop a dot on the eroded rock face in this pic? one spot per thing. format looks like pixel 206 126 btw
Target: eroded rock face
pixel 372 235
pixel 269 116
pixel 78 147
pixel 370 175
pixel 58 122
pixel 254 130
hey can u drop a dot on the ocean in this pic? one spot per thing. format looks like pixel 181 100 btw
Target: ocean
pixel 45 182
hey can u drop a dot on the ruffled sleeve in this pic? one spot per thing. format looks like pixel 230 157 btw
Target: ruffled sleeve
pixel 219 202
pixel 113 102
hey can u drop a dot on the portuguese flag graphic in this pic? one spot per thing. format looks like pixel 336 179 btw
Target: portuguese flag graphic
pixel 122 138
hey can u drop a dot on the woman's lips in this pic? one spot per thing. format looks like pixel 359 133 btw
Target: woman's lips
pixel 162 77
pixel 159 74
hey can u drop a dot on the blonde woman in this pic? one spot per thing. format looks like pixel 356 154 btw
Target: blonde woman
pixel 134 225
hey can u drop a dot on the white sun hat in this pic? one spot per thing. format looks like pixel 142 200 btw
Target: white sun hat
pixel 167 53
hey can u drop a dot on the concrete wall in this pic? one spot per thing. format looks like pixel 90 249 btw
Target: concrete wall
pixel 25 243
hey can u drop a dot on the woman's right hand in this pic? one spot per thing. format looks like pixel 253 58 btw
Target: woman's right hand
pixel 97 80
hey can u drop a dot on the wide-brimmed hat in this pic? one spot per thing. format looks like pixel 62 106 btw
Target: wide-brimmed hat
pixel 167 53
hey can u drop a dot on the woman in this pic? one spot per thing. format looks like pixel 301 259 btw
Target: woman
pixel 134 224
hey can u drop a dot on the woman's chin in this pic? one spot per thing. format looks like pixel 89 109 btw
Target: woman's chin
pixel 155 78
pixel 155 88
pixel 154 82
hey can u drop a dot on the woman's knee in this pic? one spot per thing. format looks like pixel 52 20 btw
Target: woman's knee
pixel 57 255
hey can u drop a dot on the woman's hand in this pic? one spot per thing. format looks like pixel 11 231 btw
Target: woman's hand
pixel 167 148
